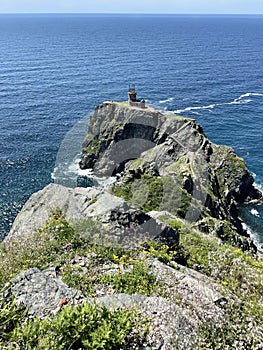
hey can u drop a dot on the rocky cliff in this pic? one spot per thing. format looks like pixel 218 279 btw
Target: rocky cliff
pixel 163 244
pixel 166 163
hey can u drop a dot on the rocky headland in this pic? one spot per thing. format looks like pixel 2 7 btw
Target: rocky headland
pixel 167 164
pixel 164 239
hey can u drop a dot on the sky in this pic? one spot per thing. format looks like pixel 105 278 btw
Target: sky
pixel 133 6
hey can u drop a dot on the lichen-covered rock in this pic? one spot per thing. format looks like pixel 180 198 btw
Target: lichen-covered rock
pixel 41 292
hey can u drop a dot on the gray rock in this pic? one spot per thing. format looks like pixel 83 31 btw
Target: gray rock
pixel 122 223
pixel 41 291
pixel 171 327
pixel 192 290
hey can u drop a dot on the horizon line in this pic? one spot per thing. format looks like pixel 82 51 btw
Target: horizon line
pixel 133 13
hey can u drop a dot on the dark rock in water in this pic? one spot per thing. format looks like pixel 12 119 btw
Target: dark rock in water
pixel 85 181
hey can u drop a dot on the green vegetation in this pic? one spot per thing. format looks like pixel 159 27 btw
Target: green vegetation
pixel 86 326
pixel 51 245
pixel 93 147
pixel 134 192
pixel 135 279
pixel 154 193
pixel 136 163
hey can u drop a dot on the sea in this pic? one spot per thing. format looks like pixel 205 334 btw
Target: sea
pixel 54 69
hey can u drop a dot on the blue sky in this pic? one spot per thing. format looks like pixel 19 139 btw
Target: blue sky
pixel 133 6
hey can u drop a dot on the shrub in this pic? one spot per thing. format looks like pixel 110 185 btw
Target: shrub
pixel 86 326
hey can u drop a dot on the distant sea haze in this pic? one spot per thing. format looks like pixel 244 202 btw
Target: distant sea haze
pixel 56 68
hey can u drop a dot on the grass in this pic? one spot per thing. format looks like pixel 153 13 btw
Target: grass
pixel 93 147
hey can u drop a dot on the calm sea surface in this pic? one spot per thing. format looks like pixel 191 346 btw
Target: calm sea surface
pixel 55 68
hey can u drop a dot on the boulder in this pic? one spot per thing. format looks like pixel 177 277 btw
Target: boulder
pixel 122 223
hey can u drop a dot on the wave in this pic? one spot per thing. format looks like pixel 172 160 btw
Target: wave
pixel 259 186
pixel 254 237
pixel 170 99
pixel 242 99
pixel 187 109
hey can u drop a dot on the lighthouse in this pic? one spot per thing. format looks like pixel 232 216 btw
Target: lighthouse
pixel 132 98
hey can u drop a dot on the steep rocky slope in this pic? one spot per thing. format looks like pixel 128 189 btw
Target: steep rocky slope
pixel 166 163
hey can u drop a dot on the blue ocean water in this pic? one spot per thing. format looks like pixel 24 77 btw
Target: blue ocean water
pixel 55 68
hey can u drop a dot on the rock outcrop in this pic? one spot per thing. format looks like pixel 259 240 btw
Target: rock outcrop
pixel 121 223
pixel 195 179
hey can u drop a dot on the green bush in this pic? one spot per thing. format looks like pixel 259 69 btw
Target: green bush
pixel 11 316
pixel 86 326
pixel 52 244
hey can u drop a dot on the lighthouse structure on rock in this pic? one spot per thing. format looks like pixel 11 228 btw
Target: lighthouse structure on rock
pixel 132 98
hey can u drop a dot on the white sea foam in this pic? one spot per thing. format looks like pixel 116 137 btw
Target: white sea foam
pixel 101 182
pixel 259 187
pixel 255 212
pixel 170 99
pixel 254 237
pixel 242 99
pixel 84 172
pixel 195 108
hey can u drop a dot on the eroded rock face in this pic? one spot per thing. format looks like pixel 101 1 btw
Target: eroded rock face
pixel 121 223
pixel 199 180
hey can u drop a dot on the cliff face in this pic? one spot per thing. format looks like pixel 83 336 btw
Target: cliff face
pixel 166 163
